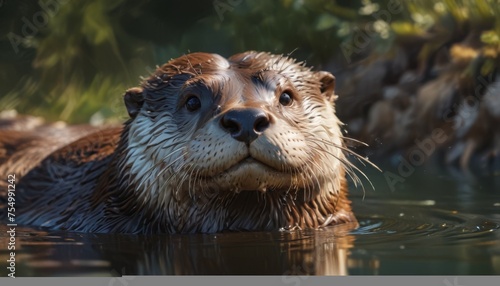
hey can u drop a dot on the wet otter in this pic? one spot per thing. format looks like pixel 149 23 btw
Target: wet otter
pixel 245 143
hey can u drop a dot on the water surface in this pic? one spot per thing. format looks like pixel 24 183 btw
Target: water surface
pixel 436 221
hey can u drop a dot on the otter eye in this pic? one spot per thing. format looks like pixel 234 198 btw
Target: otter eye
pixel 285 99
pixel 193 103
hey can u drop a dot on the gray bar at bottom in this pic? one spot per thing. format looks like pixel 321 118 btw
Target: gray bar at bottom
pixel 259 280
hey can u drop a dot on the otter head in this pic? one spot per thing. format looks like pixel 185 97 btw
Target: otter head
pixel 206 129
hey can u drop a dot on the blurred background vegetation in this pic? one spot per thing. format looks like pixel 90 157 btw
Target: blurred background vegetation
pixel 72 60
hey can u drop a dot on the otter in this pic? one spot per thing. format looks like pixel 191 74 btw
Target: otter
pixel 250 142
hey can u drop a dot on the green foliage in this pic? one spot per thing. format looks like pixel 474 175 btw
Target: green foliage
pixel 79 63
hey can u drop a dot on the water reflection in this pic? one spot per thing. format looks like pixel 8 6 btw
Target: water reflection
pixel 321 252
pixel 433 223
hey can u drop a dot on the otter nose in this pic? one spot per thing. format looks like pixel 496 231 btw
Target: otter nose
pixel 245 125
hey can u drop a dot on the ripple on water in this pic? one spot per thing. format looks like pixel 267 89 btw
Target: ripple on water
pixel 419 224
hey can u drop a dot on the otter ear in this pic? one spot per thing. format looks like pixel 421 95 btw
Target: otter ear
pixel 327 88
pixel 134 99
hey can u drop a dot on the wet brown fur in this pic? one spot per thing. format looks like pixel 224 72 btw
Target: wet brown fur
pixel 88 184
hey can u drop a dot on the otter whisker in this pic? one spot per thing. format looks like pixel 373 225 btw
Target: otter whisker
pixel 361 158
pixel 178 165
pixel 314 177
pixel 352 153
pixel 312 174
pixel 354 140
pixel 348 166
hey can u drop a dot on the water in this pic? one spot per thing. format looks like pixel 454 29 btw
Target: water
pixel 435 222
